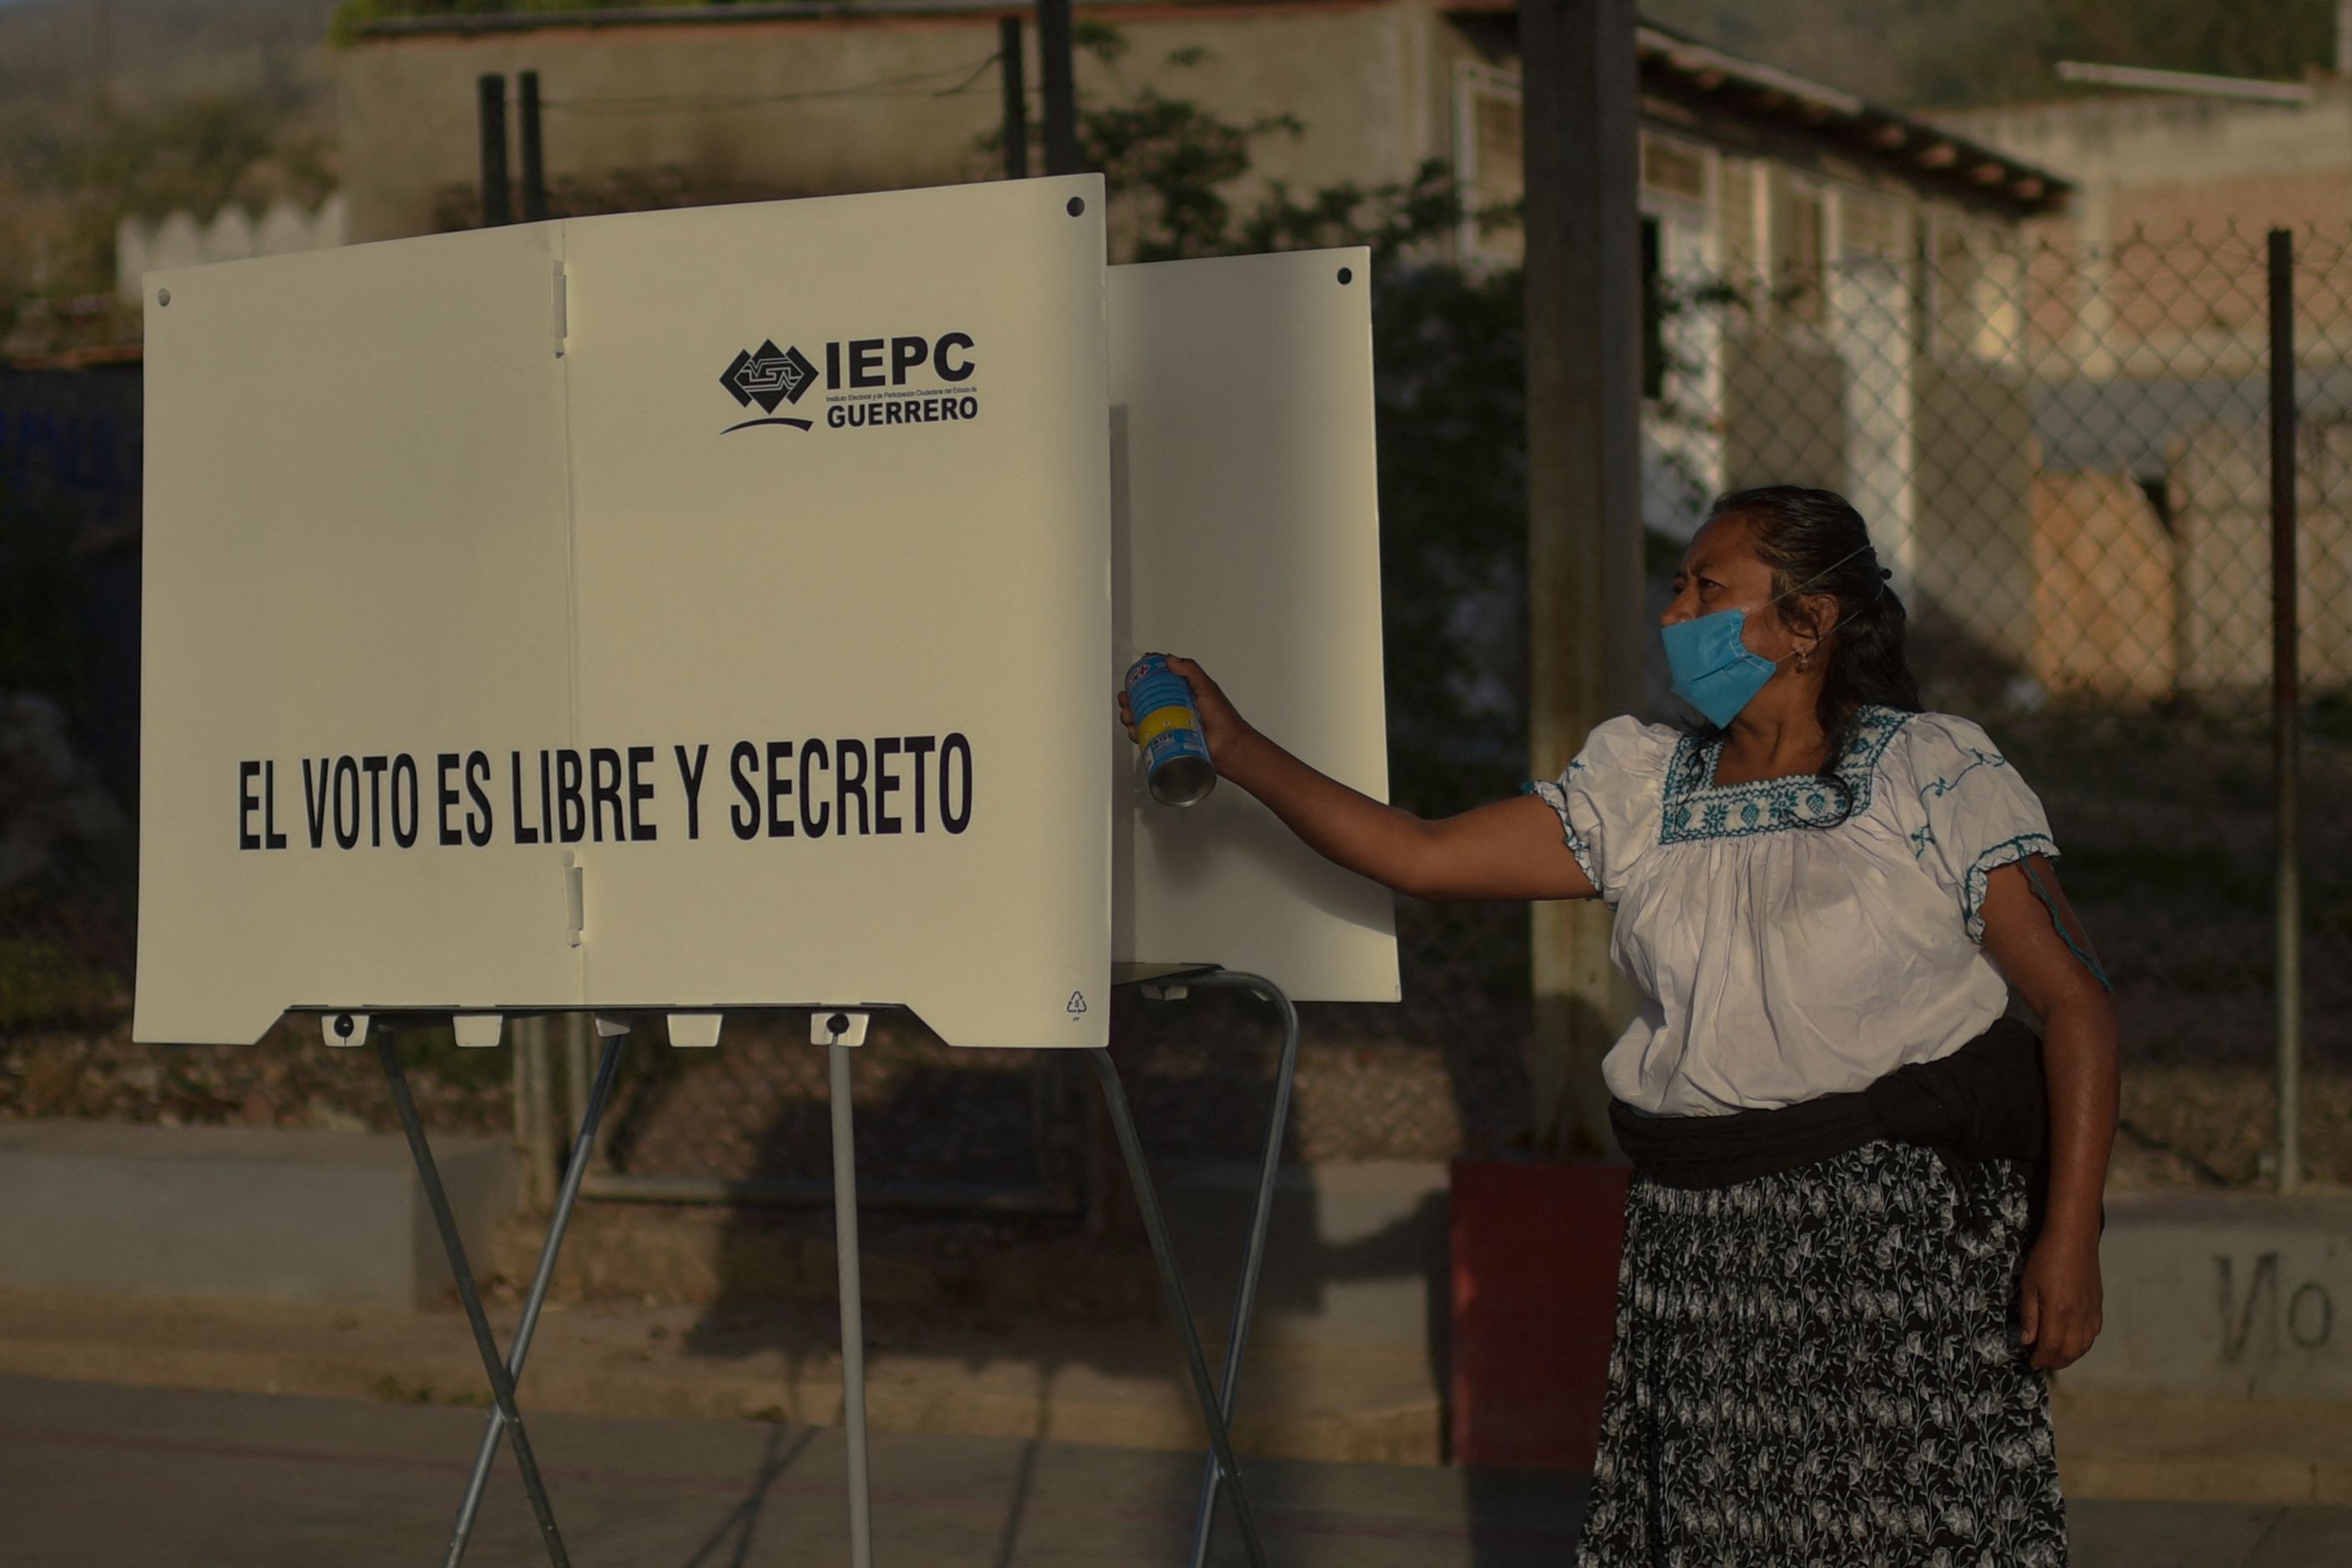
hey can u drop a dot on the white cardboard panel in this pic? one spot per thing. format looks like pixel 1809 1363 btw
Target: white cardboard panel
pixel 384 517
pixel 1246 535
pixel 927 580
pixel 354 547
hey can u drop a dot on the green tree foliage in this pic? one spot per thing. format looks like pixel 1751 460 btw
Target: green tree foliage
pixel 72 182
pixel 1449 348
pixel 203 154
pixel 1448 399
pixel 353 15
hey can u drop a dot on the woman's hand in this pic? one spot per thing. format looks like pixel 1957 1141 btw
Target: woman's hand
pixel 2032 934
pixel 1222 725
pixel 2059 1299
pixel 1510 848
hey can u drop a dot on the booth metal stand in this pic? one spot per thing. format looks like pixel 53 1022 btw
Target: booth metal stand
pixel 841 1032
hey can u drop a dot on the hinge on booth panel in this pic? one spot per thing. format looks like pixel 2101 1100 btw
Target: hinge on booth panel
pixel 563 310
pixel 576 896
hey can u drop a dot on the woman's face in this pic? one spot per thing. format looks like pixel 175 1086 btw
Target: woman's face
pixel 1721 571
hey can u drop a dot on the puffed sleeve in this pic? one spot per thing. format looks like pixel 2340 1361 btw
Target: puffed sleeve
pixel 1609 798
pixel 1963 809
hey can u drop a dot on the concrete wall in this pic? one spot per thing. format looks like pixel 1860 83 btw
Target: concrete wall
pixel 1973 548
pixel 2153 167
pixel 2106 596
pixel 1355 1254
pixel 2225 1293
pixel 1783 413
pixel 2164 158
pixel 239 1212
pixel 2220 503
pixel 830 104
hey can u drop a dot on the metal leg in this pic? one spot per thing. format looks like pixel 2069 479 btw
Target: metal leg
pixel 584 1142
pixel 502 1385
pixel 1196 1362
pixel 1204 1522
pixel 853 1313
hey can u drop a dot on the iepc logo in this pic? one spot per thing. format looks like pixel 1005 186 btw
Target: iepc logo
pixel 869 382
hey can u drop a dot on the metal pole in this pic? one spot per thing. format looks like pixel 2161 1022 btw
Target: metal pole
pixel 535 169
pixel 1056 65
pixel 490 95
pixel 1016 98
pixel 577 1027
pixel 526 1123
pixel 518 1348
pixel 853 1312
pixel 575 1078
pixel 1584 493
pixel 1254 1256
pixel 1171 1287
pixel 2286 656
pixel 531 1044
pixel 493 1365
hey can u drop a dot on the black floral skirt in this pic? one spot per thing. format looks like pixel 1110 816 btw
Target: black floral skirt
pixel 1822 1368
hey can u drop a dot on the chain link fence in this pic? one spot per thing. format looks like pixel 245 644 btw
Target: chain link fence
pixel 2064 454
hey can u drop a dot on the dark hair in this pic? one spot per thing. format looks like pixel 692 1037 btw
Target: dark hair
pixel 1816 543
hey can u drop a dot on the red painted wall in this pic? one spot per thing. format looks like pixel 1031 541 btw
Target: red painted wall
pixel 1535 1251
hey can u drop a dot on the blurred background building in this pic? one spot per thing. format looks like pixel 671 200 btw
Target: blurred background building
pixel 1997 272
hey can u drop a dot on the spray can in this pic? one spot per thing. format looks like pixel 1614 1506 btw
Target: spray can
pixel 1176 765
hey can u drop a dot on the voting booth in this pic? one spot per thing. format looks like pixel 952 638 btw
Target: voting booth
pixel 663 615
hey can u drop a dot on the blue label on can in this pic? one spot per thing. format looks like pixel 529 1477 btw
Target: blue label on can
pixel 1167 726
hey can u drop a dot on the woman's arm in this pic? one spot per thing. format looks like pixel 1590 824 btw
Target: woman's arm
pixel 1510 848
pixel 2060 1295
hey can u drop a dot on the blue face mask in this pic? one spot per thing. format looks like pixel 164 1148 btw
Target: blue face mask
pixel 1713 670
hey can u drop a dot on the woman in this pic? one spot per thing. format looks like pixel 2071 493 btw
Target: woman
pixel 1840 1295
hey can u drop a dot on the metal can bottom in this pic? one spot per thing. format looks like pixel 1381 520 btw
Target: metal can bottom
pixel 1183 780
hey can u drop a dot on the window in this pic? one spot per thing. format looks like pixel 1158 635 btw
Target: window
pixel 1803 250
pixel 1873 228
pixel 1489 161
pixel 1654 311
pixel 1673 168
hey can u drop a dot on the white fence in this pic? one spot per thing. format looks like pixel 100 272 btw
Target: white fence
pixel 177 239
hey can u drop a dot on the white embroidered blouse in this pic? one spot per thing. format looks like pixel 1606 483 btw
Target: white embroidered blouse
pixel 1781 960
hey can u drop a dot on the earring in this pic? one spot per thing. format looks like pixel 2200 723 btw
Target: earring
pixel 1805 660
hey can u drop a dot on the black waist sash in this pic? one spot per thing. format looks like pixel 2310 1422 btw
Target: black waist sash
pixel 1986 1101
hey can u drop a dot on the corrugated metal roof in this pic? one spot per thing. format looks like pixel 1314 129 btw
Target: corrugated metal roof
pixel 1927 155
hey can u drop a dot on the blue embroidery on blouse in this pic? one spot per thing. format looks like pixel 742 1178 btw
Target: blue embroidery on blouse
pixel 1940 788
pixel 1696 807
pixel 2007 852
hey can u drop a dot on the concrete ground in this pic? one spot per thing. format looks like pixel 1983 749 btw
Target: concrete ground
pixel 95 1474
pixel 1101 1386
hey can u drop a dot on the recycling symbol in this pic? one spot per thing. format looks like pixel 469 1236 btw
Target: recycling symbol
pixel 1077 1004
